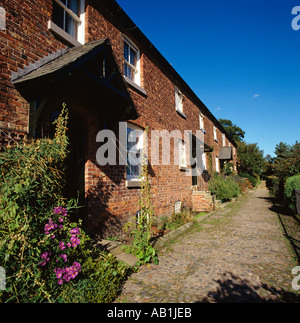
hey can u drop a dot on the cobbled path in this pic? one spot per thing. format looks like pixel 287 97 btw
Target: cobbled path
pixel 236 255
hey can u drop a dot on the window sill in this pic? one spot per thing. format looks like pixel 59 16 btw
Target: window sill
pixel 181 113
pixel 183 168
pixel 133 184
pixel 216 140
pixel 135 86
pixel 62 34
pixel 204 131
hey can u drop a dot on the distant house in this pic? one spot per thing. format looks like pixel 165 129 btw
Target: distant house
pixel 90 55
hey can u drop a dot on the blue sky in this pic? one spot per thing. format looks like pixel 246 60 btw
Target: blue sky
pixel 241 58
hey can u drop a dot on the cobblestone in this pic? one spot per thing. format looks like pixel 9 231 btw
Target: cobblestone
pixel 240 255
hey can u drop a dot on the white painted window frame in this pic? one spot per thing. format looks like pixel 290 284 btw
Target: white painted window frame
pixel 215 134
pixel 224 140
pixel 217 164
pixel 137 68
pixel 80 20
pixel 131 178
pixel 182 160
pixel 201 122
pixel 178 100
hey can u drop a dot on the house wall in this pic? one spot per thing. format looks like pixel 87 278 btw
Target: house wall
pixel 27 39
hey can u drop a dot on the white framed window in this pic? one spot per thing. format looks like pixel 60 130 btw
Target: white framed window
pixel 182 154
pixel 131 61
pixel 178 206
pixel 68 20
pixel 204 165
pixel 224 140
pixel 135 143
pixel 179 101
pixel 215 134
pixel 217 164
pixel 234 151
pixel 201 122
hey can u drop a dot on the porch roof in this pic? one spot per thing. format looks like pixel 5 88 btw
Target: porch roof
pixel 94 61
pixel 225 153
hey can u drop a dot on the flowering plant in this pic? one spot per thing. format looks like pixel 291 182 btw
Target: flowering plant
pixel 62 242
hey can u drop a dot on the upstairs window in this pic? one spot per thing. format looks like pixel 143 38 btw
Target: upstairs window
pixel 215 134
pixel 201 121
pixel 179 101
pixel 131 62
pixel 68 15
pixel 224 140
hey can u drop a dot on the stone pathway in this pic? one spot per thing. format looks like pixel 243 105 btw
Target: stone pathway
pixel 238 255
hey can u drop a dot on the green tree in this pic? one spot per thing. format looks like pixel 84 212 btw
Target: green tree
pixel 251 158
pixel 233 130
pixel 287 161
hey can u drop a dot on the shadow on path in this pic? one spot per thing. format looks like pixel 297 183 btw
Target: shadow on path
pixel 289 223
pixel 233 289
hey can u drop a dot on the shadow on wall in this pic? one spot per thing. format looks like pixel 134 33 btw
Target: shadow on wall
pixel 100 221
pixel 233 289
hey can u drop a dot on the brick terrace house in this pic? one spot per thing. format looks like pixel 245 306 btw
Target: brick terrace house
pixel 90 55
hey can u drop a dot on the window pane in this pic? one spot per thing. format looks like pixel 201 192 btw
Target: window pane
pixel 128 71
pixel 58 15
pixel 132 57
pixel 126 52
pixel 73 5
pixel 71 26
pixel 134 149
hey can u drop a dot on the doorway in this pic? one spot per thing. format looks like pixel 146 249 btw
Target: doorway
pixel 75 162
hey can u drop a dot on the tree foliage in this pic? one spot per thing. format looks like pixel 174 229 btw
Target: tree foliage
pixel 233 130
pixel 287 160
pixel 251 158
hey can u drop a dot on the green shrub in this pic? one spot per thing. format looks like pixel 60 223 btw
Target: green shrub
pixel 252 178
pixel 31 185
pixel 273 184
pixel 243 183
pixel 291 184
pixel 224 188
pixel 47 258
pixel 101 280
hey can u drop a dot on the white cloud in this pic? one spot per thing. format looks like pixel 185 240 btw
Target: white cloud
pixel 255 96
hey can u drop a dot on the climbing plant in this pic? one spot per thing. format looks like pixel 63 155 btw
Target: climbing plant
pixel 142 245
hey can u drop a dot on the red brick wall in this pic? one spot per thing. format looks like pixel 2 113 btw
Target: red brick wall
pixel 27 39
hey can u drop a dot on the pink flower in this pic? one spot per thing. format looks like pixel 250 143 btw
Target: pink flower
pixel 62 245
pixel 75 231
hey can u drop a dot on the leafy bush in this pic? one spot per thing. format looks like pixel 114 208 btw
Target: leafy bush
pixel 291 184
pixel 176 220
pixel 224 188
pixel 31 185
pixel 244 183
pixel 252 178
pixel 101 279
pixel 273 184
pixel 47 258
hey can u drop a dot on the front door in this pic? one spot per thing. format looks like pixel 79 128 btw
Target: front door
pixel 75 162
